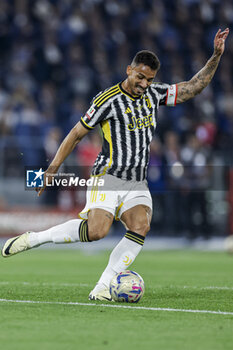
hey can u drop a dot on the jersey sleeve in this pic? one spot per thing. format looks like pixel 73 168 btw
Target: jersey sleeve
pixel 95 115
pixel 100 108
pixel 88 120
pixel 167 94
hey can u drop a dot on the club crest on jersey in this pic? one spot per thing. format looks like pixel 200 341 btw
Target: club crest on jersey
pixel 148 101
pixel 139 123
pixel 90 112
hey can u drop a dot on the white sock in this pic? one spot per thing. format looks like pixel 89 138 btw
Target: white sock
pixel 63 233
pixel 121 258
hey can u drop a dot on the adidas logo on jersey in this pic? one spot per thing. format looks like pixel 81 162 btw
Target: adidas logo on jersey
pixel 128 110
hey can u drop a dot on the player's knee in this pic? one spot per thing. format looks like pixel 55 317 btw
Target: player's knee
pixel 97 231
pixel 141 227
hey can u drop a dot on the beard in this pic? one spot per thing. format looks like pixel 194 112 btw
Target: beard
pixel 138 90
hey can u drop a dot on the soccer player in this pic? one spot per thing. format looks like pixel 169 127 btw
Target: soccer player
pixel 127 113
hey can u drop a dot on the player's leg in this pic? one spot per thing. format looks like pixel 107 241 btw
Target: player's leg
pixel 99 223
pixel 98 206
pixel 96 227
pixel 77 230
pixel 137 222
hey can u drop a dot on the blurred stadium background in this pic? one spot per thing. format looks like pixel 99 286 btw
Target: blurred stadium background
pixel 55 55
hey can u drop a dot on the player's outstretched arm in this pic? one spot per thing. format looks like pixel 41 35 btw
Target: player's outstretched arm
pixel 194 86
pixel 68 144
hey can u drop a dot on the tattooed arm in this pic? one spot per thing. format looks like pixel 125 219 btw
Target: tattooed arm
pixel 194 86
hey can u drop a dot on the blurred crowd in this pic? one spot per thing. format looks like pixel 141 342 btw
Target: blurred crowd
pixel 55 55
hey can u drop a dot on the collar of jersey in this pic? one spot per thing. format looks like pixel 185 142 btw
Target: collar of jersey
pixel 127 94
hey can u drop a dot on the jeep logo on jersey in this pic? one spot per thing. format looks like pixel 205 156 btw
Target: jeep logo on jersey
pixel 90 112
pixel 139 123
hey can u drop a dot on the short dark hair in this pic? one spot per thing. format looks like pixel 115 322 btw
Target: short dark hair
pixel 148 58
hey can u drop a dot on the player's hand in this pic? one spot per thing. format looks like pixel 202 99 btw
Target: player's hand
pixel 40 190
pixel 219 41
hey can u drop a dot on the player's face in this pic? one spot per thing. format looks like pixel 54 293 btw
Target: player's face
pixel 140 77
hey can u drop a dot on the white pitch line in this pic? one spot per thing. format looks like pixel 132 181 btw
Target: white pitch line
pixel 47 284
pixel 208 287
pixel 221 288
pixel 89 285
pixel 116 306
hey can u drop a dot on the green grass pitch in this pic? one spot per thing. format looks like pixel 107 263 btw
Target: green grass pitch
pixel 183 280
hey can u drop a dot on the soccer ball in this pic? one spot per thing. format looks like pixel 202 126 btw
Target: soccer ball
pixel 127 286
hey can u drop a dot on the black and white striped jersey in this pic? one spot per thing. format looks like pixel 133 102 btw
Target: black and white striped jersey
pixel 128 124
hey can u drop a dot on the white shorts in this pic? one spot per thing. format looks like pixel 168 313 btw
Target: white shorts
pixel 116 196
